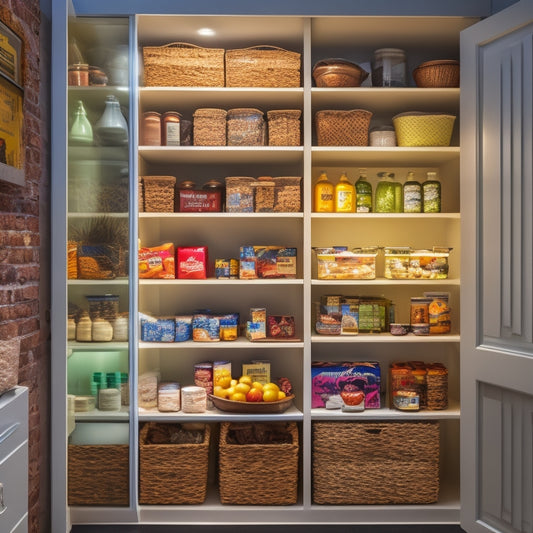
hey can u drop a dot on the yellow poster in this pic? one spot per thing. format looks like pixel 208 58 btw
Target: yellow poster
pixel 10 124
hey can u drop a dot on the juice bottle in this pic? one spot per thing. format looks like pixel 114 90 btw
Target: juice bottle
pixel 363 192
pixel 324 194
pixel 344 195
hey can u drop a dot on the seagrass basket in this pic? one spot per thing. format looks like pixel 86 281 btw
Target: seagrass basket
pixel 9 364
pixel 98 474
pixel 209 127
pixel 372 463
pixel 342 128
pixel 415 128
pixel 284 127
pixel 239 463
pixel 437 387
pixel 438 73
pixel 159 194
pixel 183 65
pixel 262 66
pixel 287 194
pixel 172 474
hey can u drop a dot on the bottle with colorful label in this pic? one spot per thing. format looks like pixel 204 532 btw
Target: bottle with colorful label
pixel 324 194
pixel 363 192
pixel 431 191
pixel 344 195
pixel 412 194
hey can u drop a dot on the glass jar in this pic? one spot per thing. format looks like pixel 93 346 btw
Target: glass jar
pixel 412 194
pixel 389 68
pixel 151 129
pixel 363 193
pixel 383 136
pixel 170 128
pixel 385 193
pixel 431 191
pixel 169 397
pixel 324 194
pixel 78 75
pixel 217 186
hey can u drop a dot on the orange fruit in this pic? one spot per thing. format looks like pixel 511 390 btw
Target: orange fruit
pixel 270 395
pixel 238 397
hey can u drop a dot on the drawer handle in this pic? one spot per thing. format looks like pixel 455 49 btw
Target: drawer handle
pixel 8 432
pixel 2 506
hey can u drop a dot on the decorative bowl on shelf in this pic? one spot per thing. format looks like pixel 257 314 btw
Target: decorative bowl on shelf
pixel 231 406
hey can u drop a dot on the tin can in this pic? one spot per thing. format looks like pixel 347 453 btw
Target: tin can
pixel 203 376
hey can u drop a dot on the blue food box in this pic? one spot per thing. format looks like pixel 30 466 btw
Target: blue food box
pixel 183 328
pixel 157 329
pixel 205 328
pixel 328 379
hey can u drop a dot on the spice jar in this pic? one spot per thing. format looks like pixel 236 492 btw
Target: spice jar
pixel 170 128
pixel 420 315
pixel 151 129
pixel 389 68
pixel 78 75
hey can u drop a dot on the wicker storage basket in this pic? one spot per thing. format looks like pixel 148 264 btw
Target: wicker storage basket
pixel 239 463
pixel 183 65
pixel 440 73
pixel 343 128
pixel 140 189
pixel 159 194
pixel 72 260
pixel 240 194
pixel 98 474
pixel 172 474
pixel 287 194
pixel 437 387
pixel 375 463
pixel 284 127
pixel 9 364
pixel 262 66
pixel 264 189
pixel 423 129
pixel 101 261
pixel 245 127
pixel 209 127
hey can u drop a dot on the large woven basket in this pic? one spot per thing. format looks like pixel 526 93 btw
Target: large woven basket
pixel 439 73
pixel 284 127
pixel 159 193
pixel 342 128
pixel 98 474
pixel 183 65
pixel 240 463
pixel 262 66
pixel 374 463
pixel 172 474
pixel 415 128
pixel 209 127
pixel 9 364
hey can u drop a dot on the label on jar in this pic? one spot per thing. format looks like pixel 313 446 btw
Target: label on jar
pixel 172 133
pixel 344 201
pixel 412 198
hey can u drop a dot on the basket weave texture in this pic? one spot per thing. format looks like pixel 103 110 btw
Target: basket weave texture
pixel 423 129
pixel 159 193
pixel 375 463
pixel 173 474
pixel 284 127
pixel 98 474
pixel 342 128
pixel 238 463
pixel 183 65
pixel 209 127
pixel 9 364
pixel 262 66
pixel 444 73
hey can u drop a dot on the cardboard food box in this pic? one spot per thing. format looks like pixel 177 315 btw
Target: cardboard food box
pixel 192 262
pixel 328 380
pixel 275 261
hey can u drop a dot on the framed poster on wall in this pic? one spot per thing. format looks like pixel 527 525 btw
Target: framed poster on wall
pixel 11 100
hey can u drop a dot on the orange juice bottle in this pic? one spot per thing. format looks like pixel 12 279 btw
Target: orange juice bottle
pixel 324 195
pixel 344 195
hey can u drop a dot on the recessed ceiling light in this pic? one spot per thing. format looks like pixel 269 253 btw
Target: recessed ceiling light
pixel 206 31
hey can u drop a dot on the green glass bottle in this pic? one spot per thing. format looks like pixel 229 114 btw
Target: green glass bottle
pixel 385 194
pixel 412 194
pixel 431 191
pixel 363 191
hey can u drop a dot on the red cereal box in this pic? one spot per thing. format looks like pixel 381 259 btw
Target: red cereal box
pixel 192 262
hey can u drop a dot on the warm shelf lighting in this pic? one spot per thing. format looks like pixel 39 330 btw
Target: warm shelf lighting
pixel 206 31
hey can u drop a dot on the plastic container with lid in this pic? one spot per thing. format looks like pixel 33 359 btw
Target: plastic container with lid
pixel 383 136
pixel 169 397
pixel 389 68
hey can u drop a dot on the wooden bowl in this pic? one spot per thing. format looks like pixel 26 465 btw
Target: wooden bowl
pixel 252 407
pixel 338 73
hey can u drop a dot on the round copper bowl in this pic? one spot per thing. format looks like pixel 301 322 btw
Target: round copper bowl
pixel 338 73
pixel 439 73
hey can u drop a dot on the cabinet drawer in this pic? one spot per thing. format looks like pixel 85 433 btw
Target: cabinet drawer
pixel 13 420
pixel 14 479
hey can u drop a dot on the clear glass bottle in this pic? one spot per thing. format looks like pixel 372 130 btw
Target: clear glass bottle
pixel 363 193
pixel 112 128
pixel 431 190
pixel 412 194
pixel 385 194
pixel 324 194
pixel 344 195
pixel 81 131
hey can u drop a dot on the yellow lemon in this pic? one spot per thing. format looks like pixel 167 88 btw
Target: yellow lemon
pixel 270 395
pixel 281 395
pixel 246 379
pixel 257 385
pixel 271 386
pixel 220 392
pixel 242 387
pixel 238 397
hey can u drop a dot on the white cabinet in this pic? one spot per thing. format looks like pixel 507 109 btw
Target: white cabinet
pixel 14 460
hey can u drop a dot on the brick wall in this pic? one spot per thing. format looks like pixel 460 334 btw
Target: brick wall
pixel 24 255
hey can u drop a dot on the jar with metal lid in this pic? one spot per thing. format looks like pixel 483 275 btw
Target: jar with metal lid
pixel 383 136
pixel 385 193
pixel 246 127
pixel 217 186
pixel 78 75
pixel 389 68
pixel 170 128
pixel 151 129
pixel 187 185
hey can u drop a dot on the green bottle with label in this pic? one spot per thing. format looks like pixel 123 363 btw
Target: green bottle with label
pixel 363 192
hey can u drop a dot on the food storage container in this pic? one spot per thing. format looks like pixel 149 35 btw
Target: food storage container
pixel 239 194
pixel 389 68
pixel 209 127
pixel 359 264
pixel 246 127
pixel 406 263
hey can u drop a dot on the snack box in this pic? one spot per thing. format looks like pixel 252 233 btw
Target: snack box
pixel 200 201
pixel 158 329
pixel 358 264
pixel 192 262
pixel 328 380
pixel 281 326
pixel 275 261
pixel 402 262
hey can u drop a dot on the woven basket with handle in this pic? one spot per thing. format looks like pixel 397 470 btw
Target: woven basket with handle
pixel 183 65
pixel 262 66
pixel 375 463
pixel 342 128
